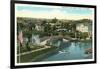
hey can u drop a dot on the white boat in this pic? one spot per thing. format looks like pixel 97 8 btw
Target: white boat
pixel 62 52
pixel 65 40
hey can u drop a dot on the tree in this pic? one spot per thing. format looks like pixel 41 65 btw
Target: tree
pixel 54 20
pixel 47 29
pixel 28 33
pixel 43 23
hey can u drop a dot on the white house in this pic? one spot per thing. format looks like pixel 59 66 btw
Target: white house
pixel 84 27
pixel 39 27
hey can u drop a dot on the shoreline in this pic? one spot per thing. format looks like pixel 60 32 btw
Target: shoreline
pixel 34 55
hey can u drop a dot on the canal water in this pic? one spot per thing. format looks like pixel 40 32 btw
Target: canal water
pixel 69 51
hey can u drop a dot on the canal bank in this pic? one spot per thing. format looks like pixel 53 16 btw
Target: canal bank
pixel 71 50
pixel 33 55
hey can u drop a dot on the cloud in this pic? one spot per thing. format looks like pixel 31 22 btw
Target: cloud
pixel 51 14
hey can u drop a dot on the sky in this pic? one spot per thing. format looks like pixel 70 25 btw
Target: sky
pixel 50 12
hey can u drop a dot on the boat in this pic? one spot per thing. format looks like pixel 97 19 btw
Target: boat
pixel 88 51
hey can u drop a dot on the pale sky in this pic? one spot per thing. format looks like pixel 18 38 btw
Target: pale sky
pixel 50 12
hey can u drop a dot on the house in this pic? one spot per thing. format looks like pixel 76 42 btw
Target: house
pixel 84 27
pixel 38 27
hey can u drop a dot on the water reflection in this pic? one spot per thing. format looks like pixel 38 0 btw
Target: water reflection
pixel 69 51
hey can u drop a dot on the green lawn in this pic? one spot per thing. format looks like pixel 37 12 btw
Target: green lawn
pixel 33 55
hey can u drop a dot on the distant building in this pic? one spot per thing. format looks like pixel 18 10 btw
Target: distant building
pixel 62 29
pixel 84 27
pixel 57 24
pixel 38 27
